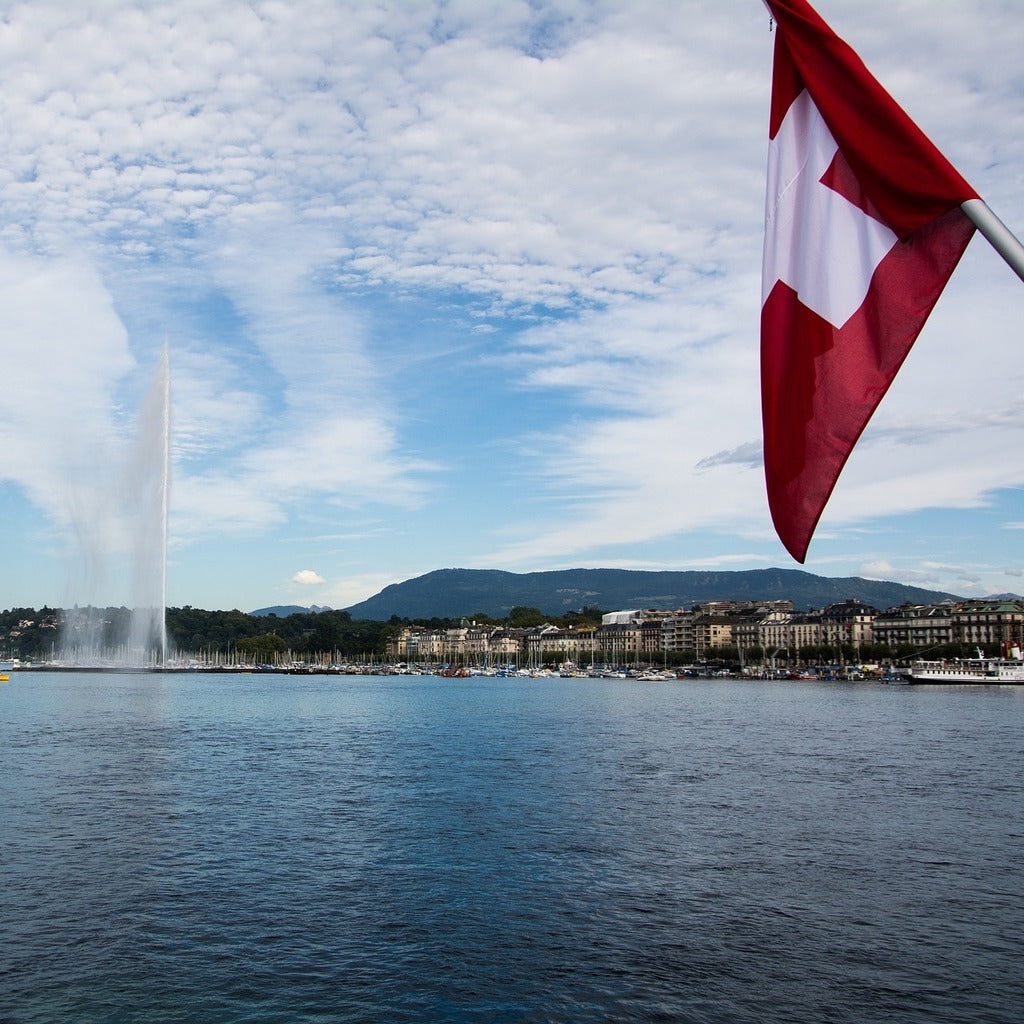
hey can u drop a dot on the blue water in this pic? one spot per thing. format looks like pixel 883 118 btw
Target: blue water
pixel 205 848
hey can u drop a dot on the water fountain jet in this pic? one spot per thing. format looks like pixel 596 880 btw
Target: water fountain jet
pixel 137 505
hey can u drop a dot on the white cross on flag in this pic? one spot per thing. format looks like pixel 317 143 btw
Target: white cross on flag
pixel 863 229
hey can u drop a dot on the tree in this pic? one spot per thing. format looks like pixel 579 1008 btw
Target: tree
pixel 522 617
pixel 263 647
pixel 585 616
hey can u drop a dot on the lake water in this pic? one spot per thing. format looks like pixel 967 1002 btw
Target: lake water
pixel 213 848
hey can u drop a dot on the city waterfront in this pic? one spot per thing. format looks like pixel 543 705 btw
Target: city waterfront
pixel 277 848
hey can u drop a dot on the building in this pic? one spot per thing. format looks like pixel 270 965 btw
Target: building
pixel 768 631
pixel 988 623
pixel 917 626
pixel 848 624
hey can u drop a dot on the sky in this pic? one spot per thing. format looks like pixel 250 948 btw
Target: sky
pixel 461 284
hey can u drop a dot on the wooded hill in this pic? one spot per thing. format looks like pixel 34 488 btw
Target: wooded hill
pixel 454 592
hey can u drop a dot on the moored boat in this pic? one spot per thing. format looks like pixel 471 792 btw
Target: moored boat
pixel 980 670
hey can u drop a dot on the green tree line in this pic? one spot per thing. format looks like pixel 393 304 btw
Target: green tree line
pixel 28 633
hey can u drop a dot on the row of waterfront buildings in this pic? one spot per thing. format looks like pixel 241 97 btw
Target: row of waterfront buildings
pixel 762 632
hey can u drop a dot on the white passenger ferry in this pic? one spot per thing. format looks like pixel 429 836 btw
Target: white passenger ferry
pixel 1006 669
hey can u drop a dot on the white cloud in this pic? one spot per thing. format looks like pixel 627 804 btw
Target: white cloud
pixel 308 578
pixel 595 170
pixel 352 589
pixel 65 356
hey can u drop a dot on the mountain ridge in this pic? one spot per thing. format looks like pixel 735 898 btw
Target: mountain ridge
pixel 449 593
pixel 284 610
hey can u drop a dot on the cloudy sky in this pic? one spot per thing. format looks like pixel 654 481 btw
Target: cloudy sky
pixel 462 284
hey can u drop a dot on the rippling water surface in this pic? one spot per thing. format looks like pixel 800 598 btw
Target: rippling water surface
pixel 338 849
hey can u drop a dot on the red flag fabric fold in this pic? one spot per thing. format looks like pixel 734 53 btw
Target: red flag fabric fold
pixel 863 229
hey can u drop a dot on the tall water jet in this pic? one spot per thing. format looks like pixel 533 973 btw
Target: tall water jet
pixel 149 479
pixel 124 537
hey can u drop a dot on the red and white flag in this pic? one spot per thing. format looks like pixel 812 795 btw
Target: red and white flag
pixel 863 229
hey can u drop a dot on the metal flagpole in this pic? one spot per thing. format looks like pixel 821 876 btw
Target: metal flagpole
pixel 998 234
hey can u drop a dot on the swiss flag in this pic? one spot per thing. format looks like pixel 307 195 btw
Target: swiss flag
pixel 863 229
